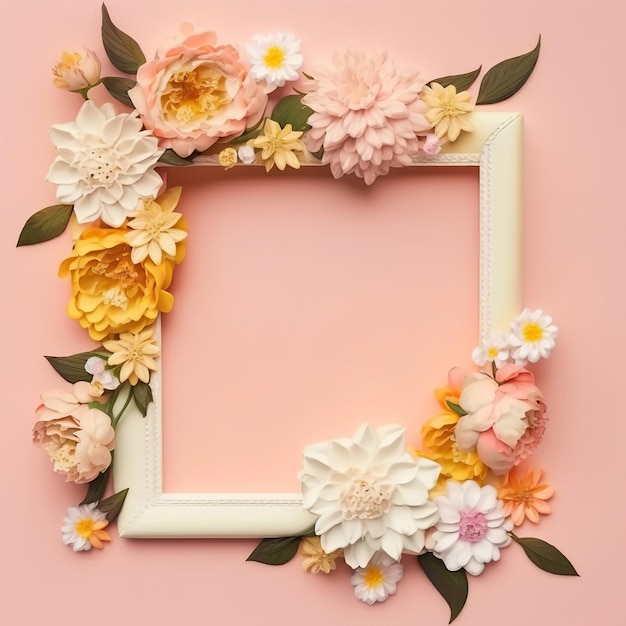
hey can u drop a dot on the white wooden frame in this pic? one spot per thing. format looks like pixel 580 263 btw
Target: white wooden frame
pixel 495 147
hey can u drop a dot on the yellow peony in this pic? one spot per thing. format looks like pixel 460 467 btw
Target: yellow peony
pixel 110 293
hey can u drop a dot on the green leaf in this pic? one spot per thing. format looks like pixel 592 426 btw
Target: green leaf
pixel 460 81
pixel 142 394
pixel 72 368
pixel 249 133
pixel 507 77
pixel 123 51
pixel 45 224
pixel 545 556
pixel 451 585
pixel 96 488
pixel 455 408
pixel 113 504
pixel 275 551
pixel 118 87
pixel 170 157
pixel 290 110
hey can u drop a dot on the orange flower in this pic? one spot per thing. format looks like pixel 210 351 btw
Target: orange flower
pixel 524 496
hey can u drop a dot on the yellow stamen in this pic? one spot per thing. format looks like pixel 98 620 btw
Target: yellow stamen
pixel 492 353
pixel 274 58
pixel 84 527
pixel 532 332
pixel 373 577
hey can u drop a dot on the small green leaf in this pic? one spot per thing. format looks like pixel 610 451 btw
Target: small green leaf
pixel 113 504
pixel 118 87
pixel 96 488
pixel 169 157
pixel 142 394
pixel 123 51
pixel 290 110
pixel 451 585
pixel 507 77
pixel 460 81
pixel 45 224
pixel 249 133
pixel 455 408
pixel 72 368
pixel 275 551
pixel 545 556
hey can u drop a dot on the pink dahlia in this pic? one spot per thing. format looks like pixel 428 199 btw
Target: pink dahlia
pixel 367 115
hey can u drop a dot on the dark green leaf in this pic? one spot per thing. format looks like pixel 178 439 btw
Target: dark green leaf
pixel 460 81
pixel 275 551
pixel 507 77
pixel 113 504
pixel 451 585
pixel 118 87
pixel 545 556
pixel 96 488
pixel 142 394
pixel 170 157
pixel 45 224
pixel 249 133
pixel 455 408
pixel 290 110
pixel 123 51
pixel 72 368
pixel 307 76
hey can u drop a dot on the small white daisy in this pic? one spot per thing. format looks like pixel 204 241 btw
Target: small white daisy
pixel 274 59
pixel 377 581
pixel 532 336
pixel 493 348
pixel 83 527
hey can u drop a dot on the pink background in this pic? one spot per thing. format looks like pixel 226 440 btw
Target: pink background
pixel 574 253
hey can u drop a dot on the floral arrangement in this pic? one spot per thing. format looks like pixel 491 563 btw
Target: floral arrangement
pixel 455 501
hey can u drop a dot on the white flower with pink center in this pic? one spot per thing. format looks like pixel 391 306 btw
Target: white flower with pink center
pixel 472 527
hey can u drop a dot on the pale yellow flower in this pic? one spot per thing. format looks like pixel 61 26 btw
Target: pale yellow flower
pixel 278 145
pixel 76 70
pixel 315 560
pixel 228 158
pixel 153 228
pixel 448 111
pixel 135 353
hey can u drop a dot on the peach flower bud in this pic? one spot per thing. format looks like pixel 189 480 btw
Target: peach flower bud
pixel 76 70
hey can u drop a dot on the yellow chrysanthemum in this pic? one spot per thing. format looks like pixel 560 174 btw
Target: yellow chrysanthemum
pixel 448 111
pixel 278 145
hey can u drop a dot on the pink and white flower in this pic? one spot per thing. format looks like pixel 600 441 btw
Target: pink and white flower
pixel 377 581
pixel 532 336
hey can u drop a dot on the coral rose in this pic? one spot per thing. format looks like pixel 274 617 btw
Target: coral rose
pixel 110 293
pixel 195 93
pixel 77 438
pixel 500 414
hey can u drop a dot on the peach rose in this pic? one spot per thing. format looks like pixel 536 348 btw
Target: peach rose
pixel 76 70
pixel 499 414
pixel 195 93
pixel 77 438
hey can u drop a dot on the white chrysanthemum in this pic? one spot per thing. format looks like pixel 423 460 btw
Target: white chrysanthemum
pixel 83 527
pixel 494 348
pixel 532 336
pixel 274 59
pixel 105 164
pixel 370 494
pixel 377 581
pixel 471 528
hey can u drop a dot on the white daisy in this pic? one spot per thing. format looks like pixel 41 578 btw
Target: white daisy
pixel 471 528
pixel 377 581
pixel 274 59
pixel 83 527
pixel 532 336
pixel 494 348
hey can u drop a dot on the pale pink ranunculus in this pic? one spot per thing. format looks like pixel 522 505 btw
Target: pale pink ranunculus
pixel 367 115
pixel 78 439
pixel 195 93
pixel 500 414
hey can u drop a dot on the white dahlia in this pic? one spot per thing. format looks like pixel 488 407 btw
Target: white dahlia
pixel 472 527
pixel 366 115
pixel 370 494
pixel 105 164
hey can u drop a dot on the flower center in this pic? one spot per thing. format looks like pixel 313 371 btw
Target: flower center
pixel 373 577
pixel 492 353
pixel 194 95
pixel 115 297
pixel 84 527
pixel 63 456
pixel 100 167
pixel 274 58
pixel 473 526
pixel 450 109
pixel 532 332
pixel 366 499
